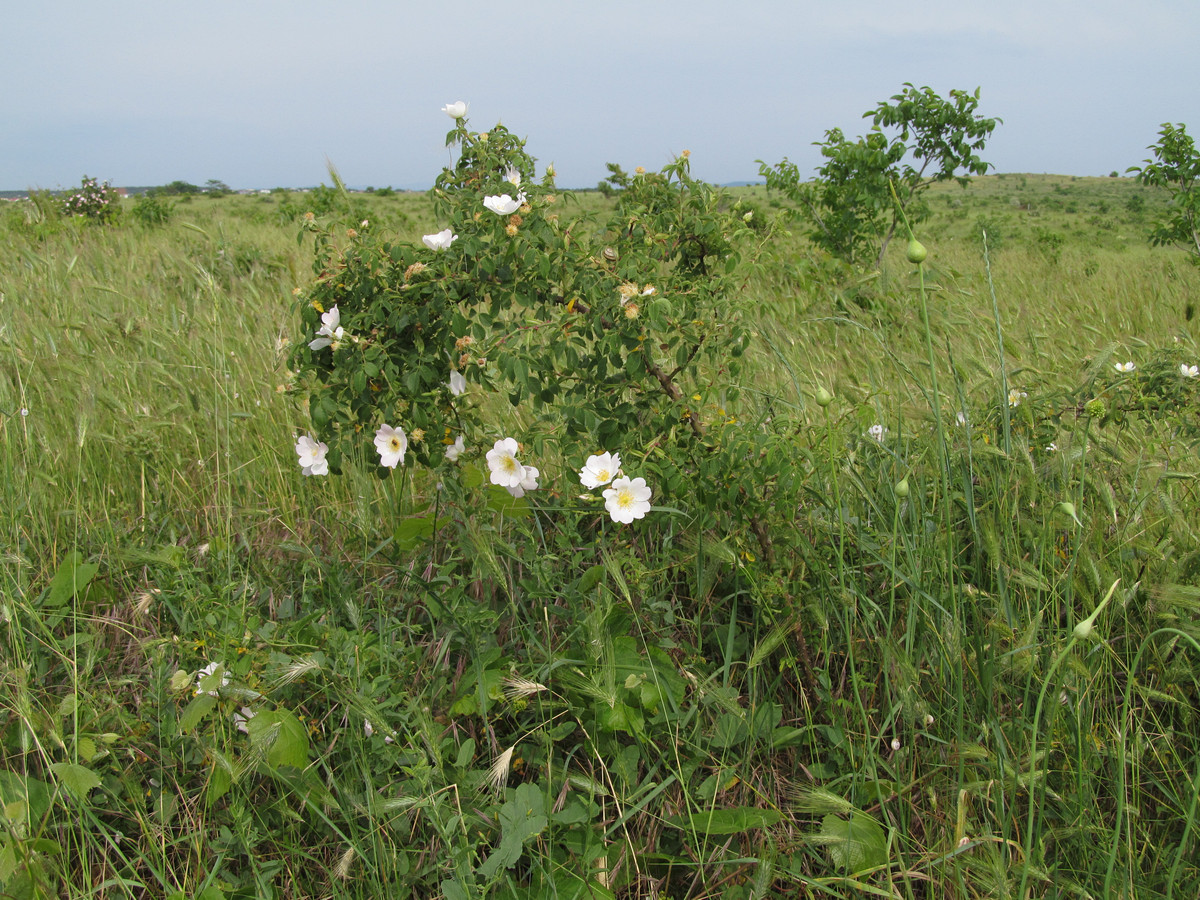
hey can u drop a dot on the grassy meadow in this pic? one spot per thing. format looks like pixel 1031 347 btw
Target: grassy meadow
pixel 898 704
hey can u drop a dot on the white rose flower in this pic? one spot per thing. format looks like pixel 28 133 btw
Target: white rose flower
pixel 502 461
pixel 312 455
pixel 599 469
pixel 627 499
pixel 440 241
pixel 503 205
pixel 330 332
pixel 391 444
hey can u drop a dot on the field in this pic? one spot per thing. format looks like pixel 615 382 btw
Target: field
pixel 890 684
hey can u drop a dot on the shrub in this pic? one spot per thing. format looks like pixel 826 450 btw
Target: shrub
pixel 94 201
pixel 152 209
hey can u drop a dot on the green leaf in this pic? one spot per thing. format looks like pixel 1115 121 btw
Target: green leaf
pixel 855 844
pixel 71 578
pixel 501 501
pixel 22 789
pixel 588 579
pixel 281 736
pixel 79 780
pixel 218 785
pixel 724 821
pixel 521 819
pixel 466 753
pixel 195 711
pixel 730 731
pixel 411 533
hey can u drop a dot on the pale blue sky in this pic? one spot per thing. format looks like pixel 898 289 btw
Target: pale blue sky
pixel 259 93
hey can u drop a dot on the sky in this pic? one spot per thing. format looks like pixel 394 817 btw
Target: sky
pixel 268 93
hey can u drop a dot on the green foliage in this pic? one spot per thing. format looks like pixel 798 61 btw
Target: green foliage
pixel 151 209
pixel 867 184
pixel 180 188
pixel 1176 169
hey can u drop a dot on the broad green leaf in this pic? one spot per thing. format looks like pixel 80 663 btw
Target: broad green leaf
pixel 521 819
pixel 466 753
pixel 71 578
pixel 501 501
pixel 79 780
pixel 218 783
pixel 855 844
pixel 282 736
pixel 34 794
pixel 589 579
pixel 195 711
pixel 729 731
pixel 411 533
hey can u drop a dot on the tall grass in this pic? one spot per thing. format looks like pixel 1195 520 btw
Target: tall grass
pixel 899 706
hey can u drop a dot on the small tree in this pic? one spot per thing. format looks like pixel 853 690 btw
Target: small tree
pixel 851 204
pixel 1176 167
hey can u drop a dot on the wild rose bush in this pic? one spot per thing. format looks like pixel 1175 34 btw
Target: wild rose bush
pixel 616 336
pixel 95 201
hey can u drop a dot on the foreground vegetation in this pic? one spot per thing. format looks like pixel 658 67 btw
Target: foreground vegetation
pixel 221 678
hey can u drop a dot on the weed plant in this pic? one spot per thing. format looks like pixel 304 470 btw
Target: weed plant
pixel 966 666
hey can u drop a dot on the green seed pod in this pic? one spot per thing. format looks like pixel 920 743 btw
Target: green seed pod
pixel 902 488
pixel 824 398
pixel 1067 508
pixel 916 252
